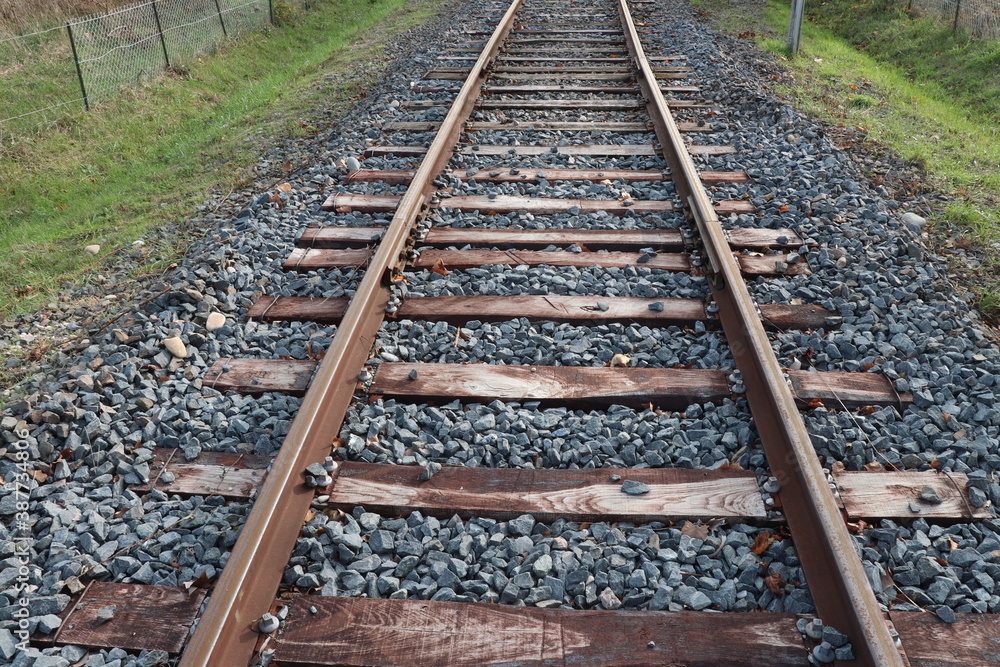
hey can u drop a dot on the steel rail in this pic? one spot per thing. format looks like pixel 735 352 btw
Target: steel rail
pixel 226 634
pixel 836 577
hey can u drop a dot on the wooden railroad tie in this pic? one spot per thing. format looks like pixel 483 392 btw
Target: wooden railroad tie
pixel 594 150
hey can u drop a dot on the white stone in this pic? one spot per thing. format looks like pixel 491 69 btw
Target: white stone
pixel 176 347
pixel 914 219
pixel 215 320
pixel 92 249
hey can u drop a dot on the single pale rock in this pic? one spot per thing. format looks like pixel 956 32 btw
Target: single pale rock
pixel 353 164
pixel 92 249
pixel 176 347
pixel 215 320
pixel 913 219
pixel 620 361
pixel 609 599
pixel 105 614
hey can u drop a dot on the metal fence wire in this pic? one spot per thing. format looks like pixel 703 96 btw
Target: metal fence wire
pixel 91 59
pixel 979 17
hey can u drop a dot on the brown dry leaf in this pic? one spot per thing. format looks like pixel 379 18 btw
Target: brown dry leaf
pixel 857 528
pixel 762 542
pixel 815 403
pixel 439 268
pixel 309 516
pixel 952 544
pixel 202 581
pixel 605 182
pixel 935 464
pixel 695 531
pixel 874 466
pixel 285 187
pixel 775 584
pixel 837 466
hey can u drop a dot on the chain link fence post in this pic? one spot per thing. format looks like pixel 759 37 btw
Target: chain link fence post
pixel 795 26
pixel 958 8
pixel 270 10
pixel 225 33
pixel 79 72
pixel 159 29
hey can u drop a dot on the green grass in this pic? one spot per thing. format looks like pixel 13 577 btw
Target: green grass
pixel 909 85
pixel 146 159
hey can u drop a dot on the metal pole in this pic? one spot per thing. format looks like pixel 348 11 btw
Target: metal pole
pixel 79 72
pixel 159 29
pixel 218 9
pixel 958 8
pixel 270 10
pixel 795 26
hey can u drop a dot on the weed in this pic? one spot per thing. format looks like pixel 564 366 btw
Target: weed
pixel 862 101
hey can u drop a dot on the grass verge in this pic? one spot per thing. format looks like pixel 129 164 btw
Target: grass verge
pixel 148 158
pixel 905 84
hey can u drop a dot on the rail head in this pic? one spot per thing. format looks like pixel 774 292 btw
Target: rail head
pixel 836 577
pixel 226 634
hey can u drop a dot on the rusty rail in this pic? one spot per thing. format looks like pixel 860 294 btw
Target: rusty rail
pixel 226 633
pixel 833 569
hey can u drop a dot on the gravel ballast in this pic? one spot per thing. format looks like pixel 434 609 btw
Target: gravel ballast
pixel 90 421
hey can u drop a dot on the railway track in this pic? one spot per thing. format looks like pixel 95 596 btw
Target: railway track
pixel 562 142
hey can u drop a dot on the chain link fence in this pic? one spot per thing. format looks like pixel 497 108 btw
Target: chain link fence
pixel 978 17
pixel 91 59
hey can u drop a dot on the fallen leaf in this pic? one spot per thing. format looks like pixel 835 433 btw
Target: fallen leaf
pixel 815 403
pixel 874 466
pixel 782 209
pixel 837 466
pixel 694 530
pixel 775 583
pixel 201 581
pixel 952 544
pixel 762 542
pixel 439 268
pixel 285 187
